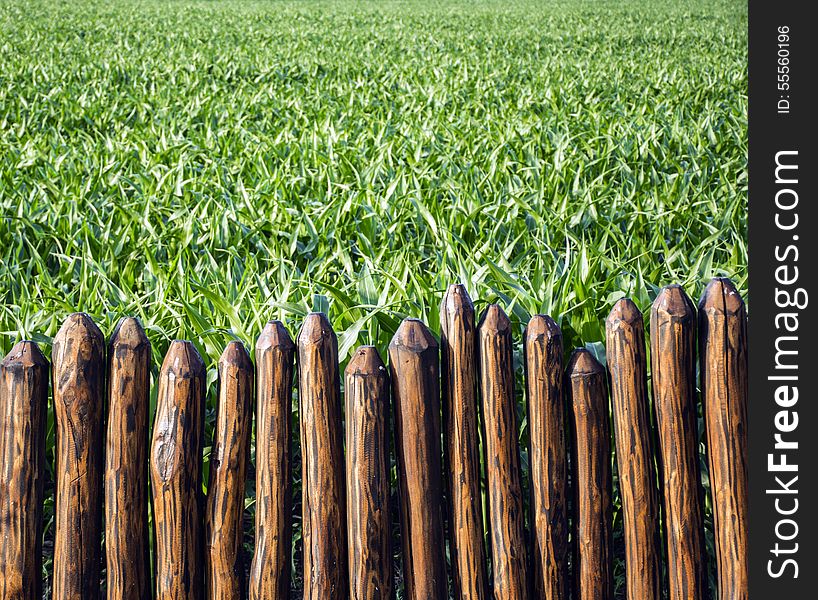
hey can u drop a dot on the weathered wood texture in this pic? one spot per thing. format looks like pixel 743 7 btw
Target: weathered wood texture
pixel 633 432
pixel 673 375
pixel 504 479
pixel 461 444
pixel 367 421
pixel 591 459
pixel 23 417
pixel 126 463
pixel 414 367
pixel 270 570
pixel 176 474
pixel 723 372
pixel 78 357
pixel 548 458
pixel 224 565
pixel 322 462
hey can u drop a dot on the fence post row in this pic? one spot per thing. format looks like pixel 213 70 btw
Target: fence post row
pixel 346 517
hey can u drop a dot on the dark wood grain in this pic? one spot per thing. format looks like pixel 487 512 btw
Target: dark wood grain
pixel 126 463
pixel 414 367
pixel 78 356
pixel 176 474
pixel 270 570
pixel 627 364
pixel 224 566
pixel 591 459
pixel 366 387
pixel 505 492
pixel 461 444
pixel 723 372
pixel 548 458
pixel 322 462
pixel 673 375
pixel 23 417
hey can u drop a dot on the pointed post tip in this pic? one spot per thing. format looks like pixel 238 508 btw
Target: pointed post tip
pixel 236 354
pixel 128 332
pixel 721 297
pixel 625 312
pixel 457 299
pixel 494 319
pixel 365 361
pixel 673 300
pixel 582 363
pixel 183 360
pixel 25 353
pixel 542 326
pixel 413 335
pixel 78 324
pixel 275 335
pixel 315 328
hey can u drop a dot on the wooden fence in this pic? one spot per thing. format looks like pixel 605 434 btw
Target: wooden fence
pixel 442 399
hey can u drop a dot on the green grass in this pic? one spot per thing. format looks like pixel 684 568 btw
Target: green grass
pixel 208 166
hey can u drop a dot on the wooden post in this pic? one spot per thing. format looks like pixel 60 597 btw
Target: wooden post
pixel 413 362
pixel 627 363
pixel 23 417
pixel 462 456
pixel 591 458
pixel 224 568
pixel 723 369
pixel 506 518
pixel 78 356
pixel 367 421
pixel 176 474
pixel 126 463
pixel 673 348
pixel 548 458
pixel 322 462
pixel 270 571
